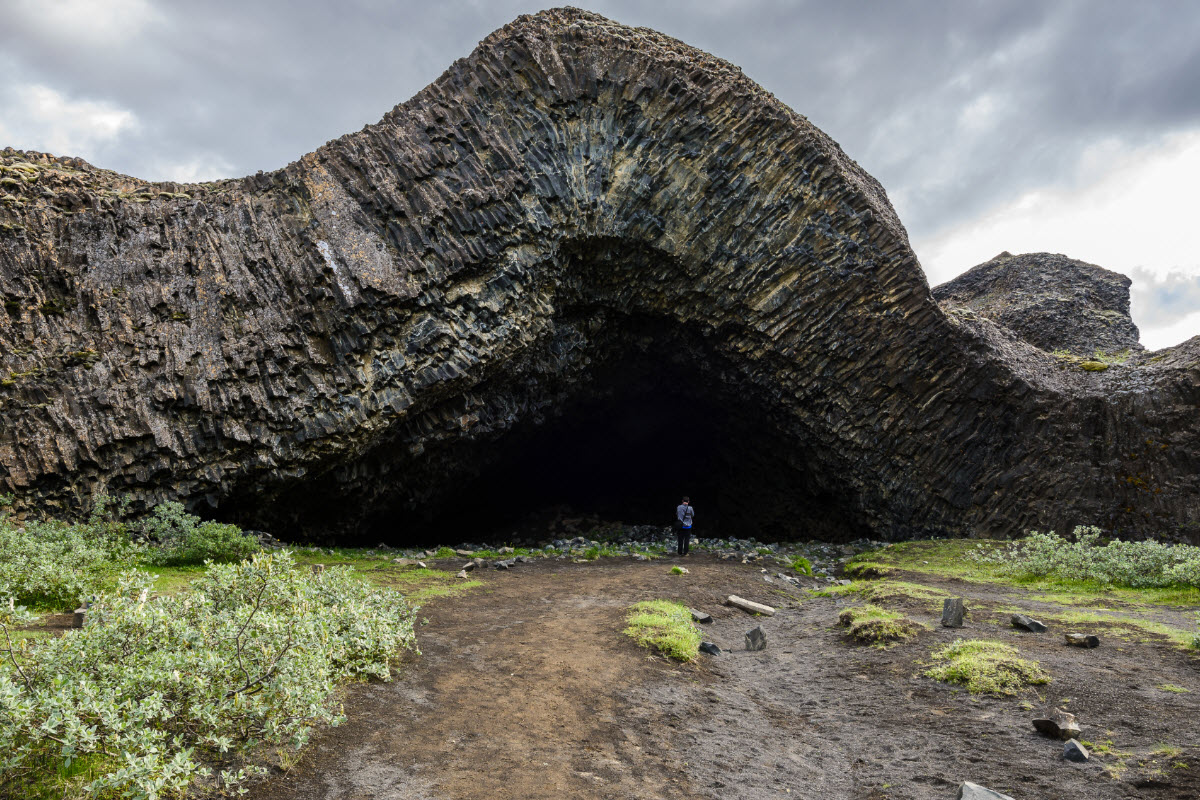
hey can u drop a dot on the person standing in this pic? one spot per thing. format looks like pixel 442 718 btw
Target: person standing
pixel 684 515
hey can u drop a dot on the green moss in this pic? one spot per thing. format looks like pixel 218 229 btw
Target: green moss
pixel 665 626
pixel 1170 687
pixel 1093 366
pixel 870 624
pixel 985 667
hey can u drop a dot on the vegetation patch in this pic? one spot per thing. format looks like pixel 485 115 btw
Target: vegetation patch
pixel 985 667
pixel 870 624
pixel 665 626
pixel 802 565
pixel 168 690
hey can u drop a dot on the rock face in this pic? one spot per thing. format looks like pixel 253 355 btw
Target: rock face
pixel 1051 301
pixel 588 263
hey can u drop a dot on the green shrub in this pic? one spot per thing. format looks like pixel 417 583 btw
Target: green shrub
pixel 592 553
pixel 870 624
pixel 1138 565
pixel 185 539
pixel 159 691
pixel 445 552
pixel 802 565
pixel 986 667
pixel 666 626
pixel 55 565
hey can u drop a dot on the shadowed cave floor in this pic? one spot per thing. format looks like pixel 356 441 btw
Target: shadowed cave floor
pixel 527 689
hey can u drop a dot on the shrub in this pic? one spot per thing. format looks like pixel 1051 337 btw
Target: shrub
pixel 1137 565
pixel 56 565
pixel 665 626
pixel 802 565
pixel 158 689
pixel 185 539
pixel 445 552
pixel 986 667
pixel 870 624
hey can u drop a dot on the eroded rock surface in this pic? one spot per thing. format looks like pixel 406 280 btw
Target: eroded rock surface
pixel 1051 301
pixel 579 218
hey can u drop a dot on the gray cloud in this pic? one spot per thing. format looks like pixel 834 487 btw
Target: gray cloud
pixel 954 105
pixel 1160 300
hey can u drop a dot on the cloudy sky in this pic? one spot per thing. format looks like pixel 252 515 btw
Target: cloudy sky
pixel 1020 125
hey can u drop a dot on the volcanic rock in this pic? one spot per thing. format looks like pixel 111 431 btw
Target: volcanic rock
pixel 1051 301
pixel 578 231
pixel 1028 623
pixel 1057 724
pixel 952 612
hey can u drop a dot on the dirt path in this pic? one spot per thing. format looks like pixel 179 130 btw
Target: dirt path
pixel 527 689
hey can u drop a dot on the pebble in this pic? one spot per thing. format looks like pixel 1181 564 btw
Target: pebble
pixel 1074 751
pixel 756 639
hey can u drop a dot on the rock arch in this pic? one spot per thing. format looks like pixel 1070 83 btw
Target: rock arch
pixel 363 328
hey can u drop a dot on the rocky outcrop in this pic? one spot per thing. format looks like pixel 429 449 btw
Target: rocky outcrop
pixel 1053 302
pixel 588 259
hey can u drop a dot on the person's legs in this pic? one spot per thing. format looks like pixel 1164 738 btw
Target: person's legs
pixel 687 541
pixel 680 541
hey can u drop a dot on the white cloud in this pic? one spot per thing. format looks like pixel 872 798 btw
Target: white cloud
pixel 1130 210
pixel 84 22
pixel 40 118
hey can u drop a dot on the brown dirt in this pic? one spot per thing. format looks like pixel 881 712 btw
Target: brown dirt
pixel 527 689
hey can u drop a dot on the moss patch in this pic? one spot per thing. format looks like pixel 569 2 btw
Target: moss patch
pixel 666 626
pixel 870 624
pixel 985 667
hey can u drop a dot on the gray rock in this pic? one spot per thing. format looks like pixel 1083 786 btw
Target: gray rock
pixel 317 569
pixel 1082 640
pixel 470 565
pixel 952 612
pixel 1057 724
pixel 710 648
pixel 1074 751
pixel 462 573
pixel 973 791
pixel 501 565
pixel 700 616
pixel 80 618
pixel 1028 623
pixel 756 639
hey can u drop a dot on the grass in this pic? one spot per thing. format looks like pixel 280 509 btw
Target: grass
pixel 985 667
pixel 1170 687
pixel 665 626
pixel 870 624
pixel 677 570
pixel 802 565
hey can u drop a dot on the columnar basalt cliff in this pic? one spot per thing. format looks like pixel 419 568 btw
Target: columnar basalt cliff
pixel 579 229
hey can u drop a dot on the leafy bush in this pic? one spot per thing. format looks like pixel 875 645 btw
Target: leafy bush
pixel 985 667
pixel 159 689
pixel 1134 564
pixel 666 626
pixel 802 565
pixel 185 539
pixel 445 552
pixel 56 564
pixel 870 624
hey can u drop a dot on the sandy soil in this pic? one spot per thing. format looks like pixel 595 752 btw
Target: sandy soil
pixel 527 689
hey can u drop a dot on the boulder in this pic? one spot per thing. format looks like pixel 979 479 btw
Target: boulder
pixel 952 612
pixel 1028 623
pixel 973 791
pixel 710 648
pixel 1057 724
pixel 749 606
pixel 1074 751
pixel 1082 640
pixel 756 639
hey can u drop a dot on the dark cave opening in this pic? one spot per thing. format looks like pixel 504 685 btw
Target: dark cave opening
pixel 655 415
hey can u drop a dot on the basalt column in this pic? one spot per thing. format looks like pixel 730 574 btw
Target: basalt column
pixel 572 206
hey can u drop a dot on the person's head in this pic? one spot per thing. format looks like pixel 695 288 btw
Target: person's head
pixel 686 499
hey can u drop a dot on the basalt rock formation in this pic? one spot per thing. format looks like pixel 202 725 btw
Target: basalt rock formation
pixel 1051 301
pixel 588 263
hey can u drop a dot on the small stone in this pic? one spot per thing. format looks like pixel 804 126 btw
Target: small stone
pixel 505 551
pixel 952 612
pixel 710 648
pixel 500 565
pixel 464 553
pixel 80 617
pixel 640 557
pixel 756 639
pixel 973 791
pixel 470 565
pixel 1057 724
pixel 749 605
pixel 1028 623
pixel 844 582
pixel 406 562
pixel 318 569
pixel 700 616
pixel 1074 751
pixel 1082 640
pixel 462 573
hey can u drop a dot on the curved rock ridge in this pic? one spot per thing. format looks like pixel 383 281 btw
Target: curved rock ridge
pixel 481 292
pixel 1051 301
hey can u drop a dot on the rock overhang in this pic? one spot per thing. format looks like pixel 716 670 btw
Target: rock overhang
pixel 360 326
